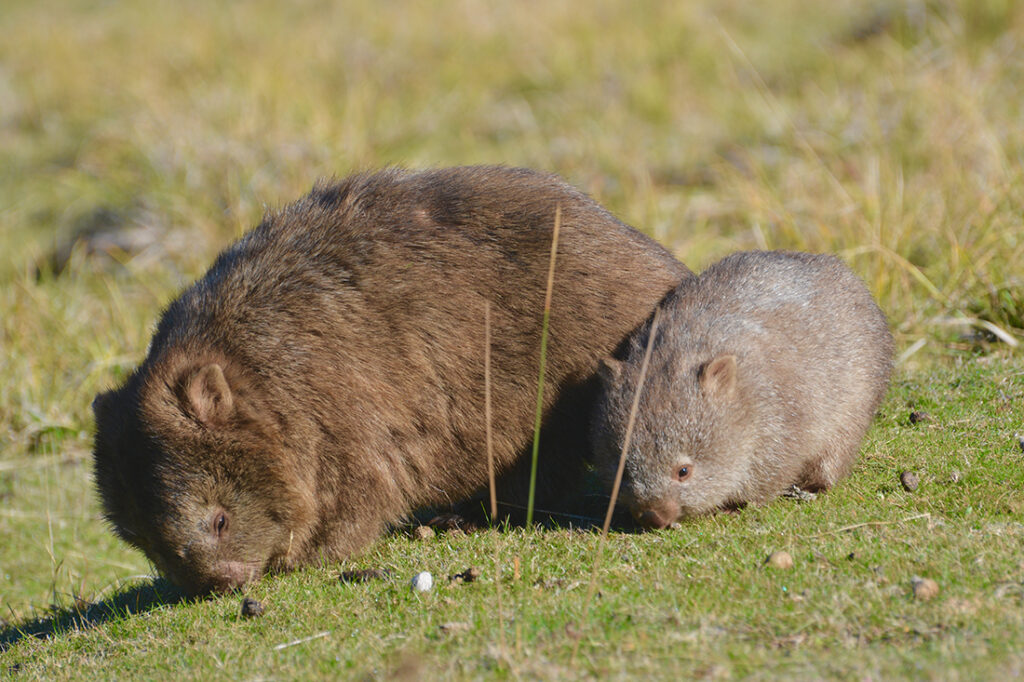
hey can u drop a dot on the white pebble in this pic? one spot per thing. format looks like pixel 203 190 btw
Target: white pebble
pixel 422 582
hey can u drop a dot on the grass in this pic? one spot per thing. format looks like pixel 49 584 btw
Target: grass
pixel 691 602
pixel 889 134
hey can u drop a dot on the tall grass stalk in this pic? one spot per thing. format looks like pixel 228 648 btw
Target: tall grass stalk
pixel 543 364
pixel 592 588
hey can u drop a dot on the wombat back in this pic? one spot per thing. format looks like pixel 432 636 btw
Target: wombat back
pixel 766 372
pixel 325 376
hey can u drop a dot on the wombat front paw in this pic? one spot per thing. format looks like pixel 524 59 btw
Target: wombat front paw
pixel 795 492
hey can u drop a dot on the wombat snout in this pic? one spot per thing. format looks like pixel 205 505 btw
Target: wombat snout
pixel 197 576
pixel 226 576
pixel 661 514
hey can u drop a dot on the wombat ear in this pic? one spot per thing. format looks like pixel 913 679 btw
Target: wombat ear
pixel 609 370
pixel 209 395
pixel 718 377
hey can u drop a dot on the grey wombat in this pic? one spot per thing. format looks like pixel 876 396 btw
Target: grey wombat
pixel 766 371
pixel 325 376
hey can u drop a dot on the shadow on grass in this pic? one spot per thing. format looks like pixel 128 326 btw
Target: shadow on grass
pixel 84 615
pixel 473 515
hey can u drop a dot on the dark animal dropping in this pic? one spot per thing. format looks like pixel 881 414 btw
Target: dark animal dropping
pixel 909 480
pixel 470 575
pixel 251 608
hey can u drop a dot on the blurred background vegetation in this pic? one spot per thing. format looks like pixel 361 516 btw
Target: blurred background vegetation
pixel 891 133
pixel 137 139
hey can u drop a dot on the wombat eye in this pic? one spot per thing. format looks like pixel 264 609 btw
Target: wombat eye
pixel 220 523
pixel 683 473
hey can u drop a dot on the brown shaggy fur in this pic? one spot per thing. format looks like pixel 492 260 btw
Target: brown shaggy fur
pixel 766 371
pixel 325 377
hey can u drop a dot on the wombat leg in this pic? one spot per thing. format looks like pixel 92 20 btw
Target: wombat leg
pixel 824 472
pixel 454 521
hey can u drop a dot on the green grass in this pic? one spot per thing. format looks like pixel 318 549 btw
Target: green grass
pixel 713 126
pixel 689 602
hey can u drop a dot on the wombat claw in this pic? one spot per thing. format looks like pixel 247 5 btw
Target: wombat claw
pixel 795 492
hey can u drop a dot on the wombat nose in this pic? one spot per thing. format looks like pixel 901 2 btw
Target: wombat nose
pixel 653 518
pixel 224 576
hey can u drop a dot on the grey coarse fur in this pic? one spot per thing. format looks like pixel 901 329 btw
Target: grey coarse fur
pixel 325 377
pixel 811 358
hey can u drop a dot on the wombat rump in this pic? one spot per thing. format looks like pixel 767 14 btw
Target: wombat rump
pixel 326 376
pixel 766 372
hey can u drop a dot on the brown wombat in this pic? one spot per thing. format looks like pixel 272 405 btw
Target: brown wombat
pixel 325 377
pixel 766 371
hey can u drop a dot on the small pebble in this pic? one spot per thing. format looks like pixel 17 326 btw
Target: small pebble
pixel 917 416
pixel 422 582
pixel 251 608
pixel 909 480
pixel 423 532
pixel 924 588
pixel 780 559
